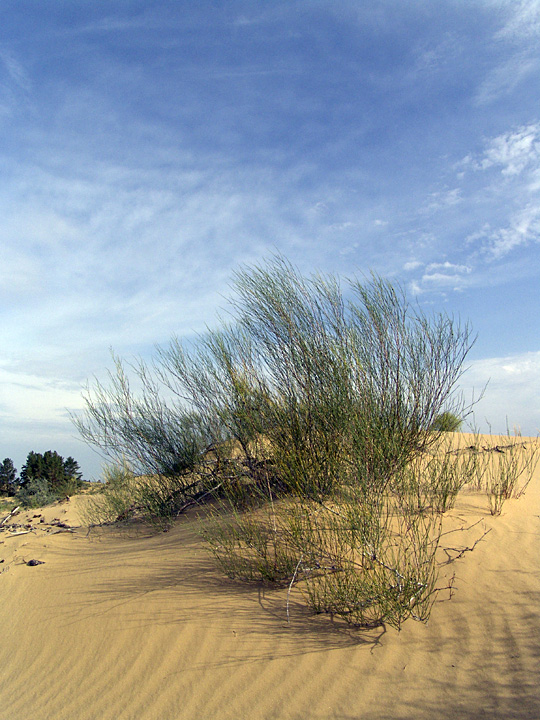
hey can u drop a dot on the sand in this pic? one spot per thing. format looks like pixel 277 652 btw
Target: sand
pixel 120 624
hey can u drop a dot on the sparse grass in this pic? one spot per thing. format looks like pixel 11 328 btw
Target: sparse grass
pixel 509 470
pixel 7 504
pixel 114 499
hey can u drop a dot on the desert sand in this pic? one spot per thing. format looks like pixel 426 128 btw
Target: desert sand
pixel 124 624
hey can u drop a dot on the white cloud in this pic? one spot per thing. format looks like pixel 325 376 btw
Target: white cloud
pixel 440 200
pixel 522 20
pixel 513 191
pixel 458 269
pixel 512 395
pixel 524 227
pixel 15 69
pixel 514 151
pixel 506 77
pixel 440 276
pixel 412 265
pixel 32 396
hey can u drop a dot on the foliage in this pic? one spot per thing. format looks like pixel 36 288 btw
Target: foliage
pixel 506 466
pixel 115 499
pixel 8 477
pixel 123 494
pixel 312 404
pixel 72 470
pixel 321 387
pixel 446 422
pixel 36 492
pixel 61 476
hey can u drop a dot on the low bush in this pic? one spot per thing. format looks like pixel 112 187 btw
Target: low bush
pixel 36 493
pixel 446 422
pixel 509 469
pixel 312 406
pixel 116 499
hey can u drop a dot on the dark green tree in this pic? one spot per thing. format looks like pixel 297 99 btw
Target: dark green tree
pixel 33 468
pixel 72 471
pixel 54 469
pixel 51 467
pixel 8 477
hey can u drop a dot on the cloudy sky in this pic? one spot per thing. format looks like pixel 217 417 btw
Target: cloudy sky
pixel 148 148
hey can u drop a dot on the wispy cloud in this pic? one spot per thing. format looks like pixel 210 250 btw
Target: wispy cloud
pixel 148 152
pixel 522 18
pixel 37 397
pixel 513 151
pixel 512 392
pixel 443 199
pixel 507 77
pixel 523 228
pixel 511 164
pixel 15 69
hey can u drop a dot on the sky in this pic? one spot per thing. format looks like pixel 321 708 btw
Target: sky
pixel 147 149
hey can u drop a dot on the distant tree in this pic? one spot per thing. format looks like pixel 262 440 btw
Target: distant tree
pixel 54 469
pixel 72 471
pixel 446 422
pixel 8 477
pixel 32 469
pixel 51 467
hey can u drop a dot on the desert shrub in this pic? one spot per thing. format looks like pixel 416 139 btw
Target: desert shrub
pixel 116 499
pixel 251 547
pixel 446 422
pixel 36 493
pixel 321 387
pixel 311 402
pixel 70 486
pixel 509 469
pixel 123 494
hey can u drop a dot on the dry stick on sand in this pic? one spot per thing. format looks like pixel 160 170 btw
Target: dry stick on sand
pixel 461 551
pixel 11 514
pixel 14 534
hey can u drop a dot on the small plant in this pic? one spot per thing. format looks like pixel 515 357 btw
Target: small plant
pixel 36 493
pixel 431 484
pixel 446 422
pixel 250 548
pixel 509 463
pixel 116 498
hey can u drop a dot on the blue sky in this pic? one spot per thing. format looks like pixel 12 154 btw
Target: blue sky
pixel 148 148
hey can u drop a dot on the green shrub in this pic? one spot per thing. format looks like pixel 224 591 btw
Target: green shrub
pixel 313 402
pixel 116 498
pixel 446 422
pixel 36 493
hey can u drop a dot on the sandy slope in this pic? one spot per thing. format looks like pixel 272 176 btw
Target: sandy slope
pixel 121 625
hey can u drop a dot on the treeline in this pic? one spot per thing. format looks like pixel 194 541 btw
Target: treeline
pixel 43 477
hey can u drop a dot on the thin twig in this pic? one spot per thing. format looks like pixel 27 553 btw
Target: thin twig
pixel 291 584
pixel 461 553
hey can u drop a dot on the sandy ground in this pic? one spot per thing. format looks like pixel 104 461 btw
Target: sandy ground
pixel 119 625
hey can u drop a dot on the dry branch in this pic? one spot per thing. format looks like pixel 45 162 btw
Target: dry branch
pixel 11 514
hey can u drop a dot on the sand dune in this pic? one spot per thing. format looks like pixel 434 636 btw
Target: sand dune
pixel 122 624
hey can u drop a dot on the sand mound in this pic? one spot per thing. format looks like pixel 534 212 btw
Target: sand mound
pixel 120 624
